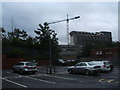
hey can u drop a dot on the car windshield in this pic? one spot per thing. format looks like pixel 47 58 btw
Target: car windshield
pixel 30 64
pixel 90 63
pixel 20 64
pixel 106 63
pixel 97 62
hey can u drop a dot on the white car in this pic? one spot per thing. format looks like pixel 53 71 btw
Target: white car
pixel 25 66
pixel 105 65
pixel 86 68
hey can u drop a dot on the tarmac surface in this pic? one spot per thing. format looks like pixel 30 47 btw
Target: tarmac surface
pixel 61 79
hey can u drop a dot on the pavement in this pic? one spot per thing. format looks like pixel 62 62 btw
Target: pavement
pixel 61 79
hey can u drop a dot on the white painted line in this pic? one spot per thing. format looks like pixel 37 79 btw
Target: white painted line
pixel 60 77
pixel 102 80
pixel 19 76
pixel 40 80
pixel 14 82
pixel 53 76
pixel 12 77
pixel 109 81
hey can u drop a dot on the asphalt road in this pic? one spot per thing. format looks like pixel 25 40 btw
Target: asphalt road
pixel 61 79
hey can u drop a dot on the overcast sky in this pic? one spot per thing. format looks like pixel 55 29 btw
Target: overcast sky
pixel 95 17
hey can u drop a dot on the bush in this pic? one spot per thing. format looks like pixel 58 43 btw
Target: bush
pixel 15 53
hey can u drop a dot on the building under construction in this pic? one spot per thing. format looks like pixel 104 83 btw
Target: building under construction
pixel 81 38
pixel 78 39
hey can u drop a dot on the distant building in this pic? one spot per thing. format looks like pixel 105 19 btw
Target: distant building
pixel 81 38
pixel 78 39
pixel 68 52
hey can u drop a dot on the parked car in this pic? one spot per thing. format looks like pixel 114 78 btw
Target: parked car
pixel 35 62
pixel 105 65
pixel 62 62
pixel 86 68
pixel 24 66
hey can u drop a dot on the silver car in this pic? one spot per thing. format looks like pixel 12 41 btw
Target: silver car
pixel 86 68
pixel 25 66
pixel 105 65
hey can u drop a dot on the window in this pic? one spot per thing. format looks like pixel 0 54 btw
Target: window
pixel 20 64
pixel 106 63
pixel 78 64
pixel 90 63
pixel 81 64
pixel 84 64
pixel 30 64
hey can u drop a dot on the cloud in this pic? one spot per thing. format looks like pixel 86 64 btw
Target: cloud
pixel 94 16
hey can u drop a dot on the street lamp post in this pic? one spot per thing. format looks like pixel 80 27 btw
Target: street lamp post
pixel 50 51
pixel 50 55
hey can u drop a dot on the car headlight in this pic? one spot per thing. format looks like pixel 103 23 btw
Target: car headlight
pixel 26 69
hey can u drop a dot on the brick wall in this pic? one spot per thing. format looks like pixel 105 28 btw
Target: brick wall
pixel 106 53
pixel 7 63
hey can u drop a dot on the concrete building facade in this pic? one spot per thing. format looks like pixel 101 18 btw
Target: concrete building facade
pixel 81 38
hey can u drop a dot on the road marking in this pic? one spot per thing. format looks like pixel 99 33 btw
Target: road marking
pixel 14 82
pixel 34 78
pixel 109 81
pixel 60 77
pixel 36 75
pixel 53 76
pixel 40 80
pixel 102 80
pixel 12 77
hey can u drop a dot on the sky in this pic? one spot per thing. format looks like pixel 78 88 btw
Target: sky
pixel 94 17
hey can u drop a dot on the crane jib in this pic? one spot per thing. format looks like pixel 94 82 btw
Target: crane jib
pixel 64 20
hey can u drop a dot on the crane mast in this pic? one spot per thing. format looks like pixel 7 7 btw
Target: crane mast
pixel 67 23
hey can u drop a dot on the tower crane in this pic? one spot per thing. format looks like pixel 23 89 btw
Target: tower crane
pixel 67 23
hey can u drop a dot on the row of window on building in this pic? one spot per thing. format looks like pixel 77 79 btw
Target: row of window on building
pixel 82 38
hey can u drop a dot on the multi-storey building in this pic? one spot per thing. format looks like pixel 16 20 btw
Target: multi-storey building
pixel 81 38
pixel 77 41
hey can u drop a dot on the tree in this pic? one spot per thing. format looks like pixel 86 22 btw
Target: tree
pixel 29 42
pixel 47 39
pixel 24 35
pixel 86 50
pixel 4 36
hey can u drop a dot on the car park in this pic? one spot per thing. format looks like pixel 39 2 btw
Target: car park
pixel 87 68
pixel 24 67
pixel 105 65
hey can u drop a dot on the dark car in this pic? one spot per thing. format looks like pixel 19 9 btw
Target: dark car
pixel 25 67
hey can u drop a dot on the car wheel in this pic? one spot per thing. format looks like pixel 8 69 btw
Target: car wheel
pixel 87 72
pixel 70 71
